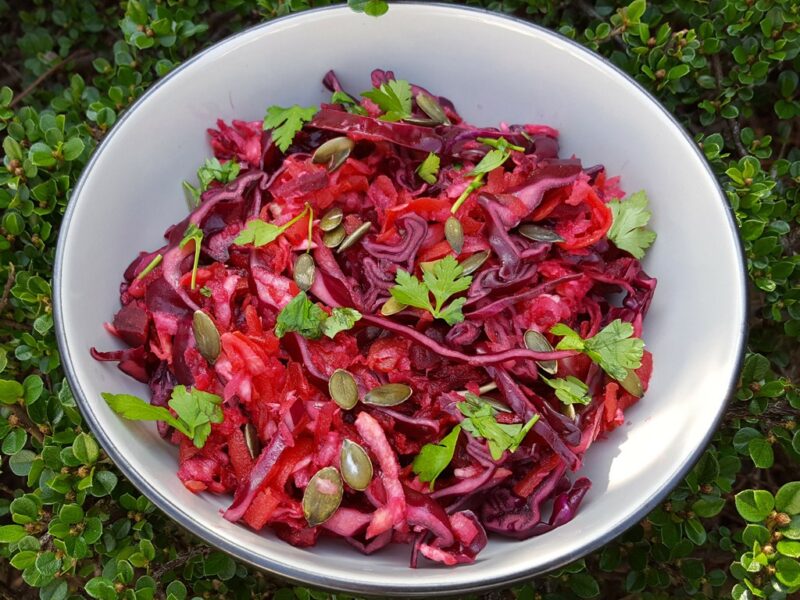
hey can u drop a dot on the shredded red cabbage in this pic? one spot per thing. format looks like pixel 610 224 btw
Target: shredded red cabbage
pixel 277 388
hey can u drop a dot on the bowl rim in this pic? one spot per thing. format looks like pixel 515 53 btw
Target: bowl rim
pixel 352 584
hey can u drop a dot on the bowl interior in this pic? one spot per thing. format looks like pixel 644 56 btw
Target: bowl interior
pixel 494 69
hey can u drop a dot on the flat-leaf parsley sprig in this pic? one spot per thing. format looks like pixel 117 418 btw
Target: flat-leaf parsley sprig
pixel 441 279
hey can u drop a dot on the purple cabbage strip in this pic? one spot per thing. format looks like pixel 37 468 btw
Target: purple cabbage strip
pixel 474 360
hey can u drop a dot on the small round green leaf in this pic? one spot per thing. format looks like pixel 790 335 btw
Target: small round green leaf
pixel 788 498
pixel 754 505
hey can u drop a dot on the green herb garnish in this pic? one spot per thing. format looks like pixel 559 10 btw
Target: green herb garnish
pixel 434 458
pixel 628 229
pixel 480 422
pixel 196 411
pixel 302 316
pixel 193 234
pixel 260 233
pixel 429 168
pixel 286 122
pixel 211 171
pixel 341 319
pixel 150 266
pixel 570 390
pixel 442 279
pixel 613 348
pixel 348 102
pixel 496 157
pixel 393 98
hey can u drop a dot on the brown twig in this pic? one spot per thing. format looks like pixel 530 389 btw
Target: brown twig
pixel 7 287
pixel 179 560
pixel 79 53
pixel 9 324
pixel 733 125
pixel 25 421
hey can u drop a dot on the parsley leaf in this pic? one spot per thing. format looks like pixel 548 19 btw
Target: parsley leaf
pixel 286 122
pixel 570 390
pixel 213 170
pixel 301 315
pixel 628 229
pixel 393 98
pixel 443 279
pixel 480 422
pixel 429 168
pixel 193 234
pixel 196 411
pixel 500 153
pixel 260 233
pixel 434 458
pixel 349 103
pixel 612 348
pixel 341 319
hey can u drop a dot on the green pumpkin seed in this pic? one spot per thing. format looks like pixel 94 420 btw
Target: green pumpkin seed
pixel 632 384
pixel 496 404
pixel 537 233
pixel 356 465
pixel 206 336
pixel 343 389
pixel 454 234
pixel 569 410
pixel 322 496
pixel 352 239
pixel 304 271
pixel 333 152
pixel 252 441
pixel 390 394
pixel 392 307
pixel 334 237
pixel 537 342
pixel 424 121
pixel 331 219
pixel 431 107
pixel 474 262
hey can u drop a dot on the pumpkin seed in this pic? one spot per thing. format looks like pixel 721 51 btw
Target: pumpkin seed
pixel 334 237
pixel 474 262
pixel 331 219
pixel 304 271
pixel 343 389
pixel 352 239
pixel 392 307
pixel 454 234
pixel 569 410
pixel 632 384
pixel 537 342
pixel 429 105
pixel 322 496
pixel 356 465
pixel 252 441
pixel 537 233
pixel 333 152
pixel 424 121
pixel 206 336
pixel 496 404
pixel 390 394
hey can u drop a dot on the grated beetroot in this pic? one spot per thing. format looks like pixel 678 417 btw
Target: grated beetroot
pixel 279 387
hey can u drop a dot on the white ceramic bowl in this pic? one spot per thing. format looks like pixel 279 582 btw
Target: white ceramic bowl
pixel 495 69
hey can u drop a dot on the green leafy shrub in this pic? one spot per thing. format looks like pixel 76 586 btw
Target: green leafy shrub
pixel 71 526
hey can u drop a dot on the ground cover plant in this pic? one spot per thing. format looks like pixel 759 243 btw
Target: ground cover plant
pixel 71 526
